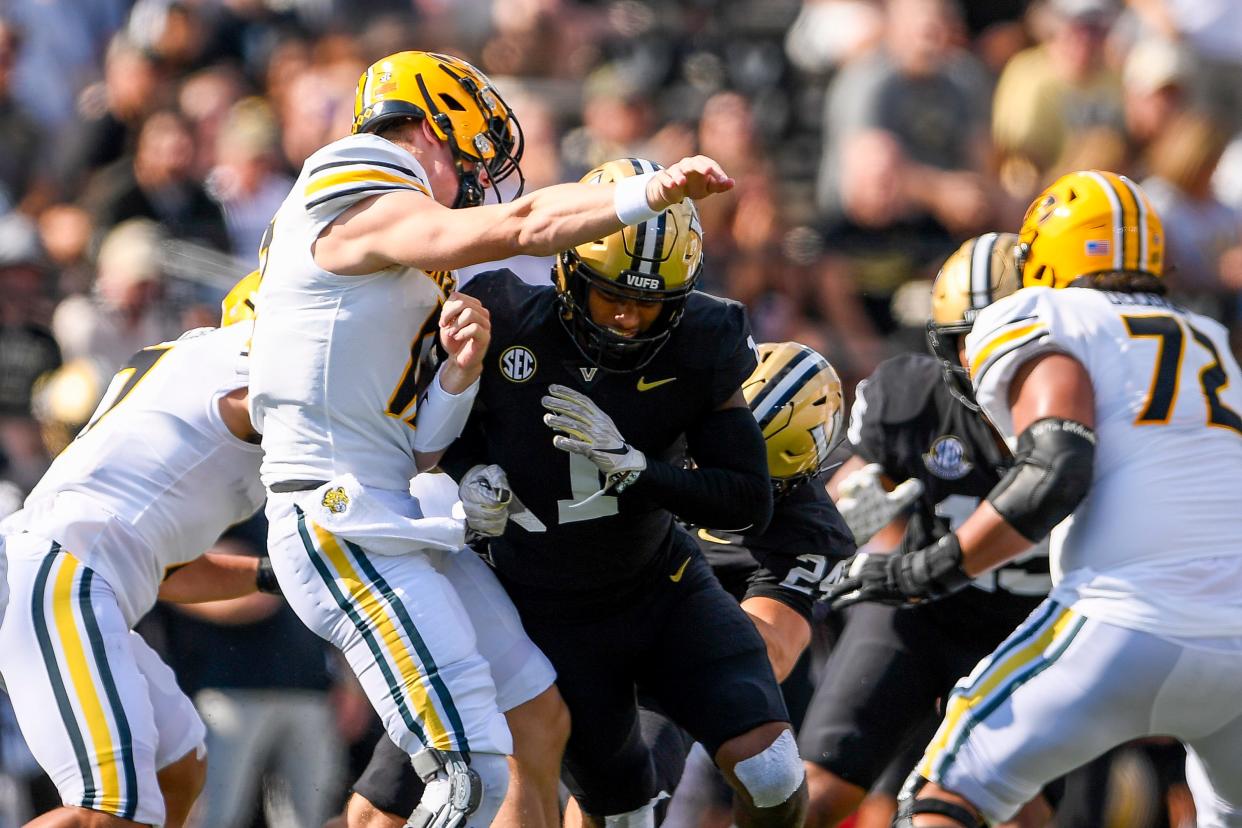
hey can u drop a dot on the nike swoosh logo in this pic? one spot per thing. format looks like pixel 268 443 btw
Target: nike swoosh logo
pixel 643 385
pixel 708 536
pixel 681 570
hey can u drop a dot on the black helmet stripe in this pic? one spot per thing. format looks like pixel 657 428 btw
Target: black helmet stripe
pixel 658 258
pixel 1142 221
pixel 981 270
pixel 640 230
pixel 759 404
pixel 786 391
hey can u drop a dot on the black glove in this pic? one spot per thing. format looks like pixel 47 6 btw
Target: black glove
pixel 265 577
pixel 898 578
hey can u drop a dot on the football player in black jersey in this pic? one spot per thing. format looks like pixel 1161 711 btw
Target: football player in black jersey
pixel 795 395
pixel 914 418
pixel 589 385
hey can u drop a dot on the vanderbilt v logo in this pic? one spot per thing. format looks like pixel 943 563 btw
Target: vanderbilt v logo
pixel 588 374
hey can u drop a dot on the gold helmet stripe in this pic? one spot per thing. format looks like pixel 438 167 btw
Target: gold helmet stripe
pixel 1141 264
pixel 981 270
pixel 1119 232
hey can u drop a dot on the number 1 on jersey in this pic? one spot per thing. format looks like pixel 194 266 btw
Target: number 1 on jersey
pixel 584 481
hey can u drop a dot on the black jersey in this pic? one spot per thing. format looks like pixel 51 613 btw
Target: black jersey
pixel 787 561
pixel 591 544
pixel 906 419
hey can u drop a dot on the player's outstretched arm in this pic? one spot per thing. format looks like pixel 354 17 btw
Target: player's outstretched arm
pixel 408 228
pixel 1052 405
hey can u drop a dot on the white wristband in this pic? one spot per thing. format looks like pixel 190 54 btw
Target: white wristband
pixel 441 416
pixel 630 199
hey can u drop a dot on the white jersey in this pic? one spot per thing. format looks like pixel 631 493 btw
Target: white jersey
pixel 1157 543
pixel 335 359
pixel 156 475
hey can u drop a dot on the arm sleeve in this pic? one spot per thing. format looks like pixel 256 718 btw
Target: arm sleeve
pixel 467 451
pixel 728 488
pixel 356 168
pixel 739 356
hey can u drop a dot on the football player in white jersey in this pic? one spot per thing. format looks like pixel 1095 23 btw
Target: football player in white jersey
pixel 357 284
pixel 1125 409
pixel 167 462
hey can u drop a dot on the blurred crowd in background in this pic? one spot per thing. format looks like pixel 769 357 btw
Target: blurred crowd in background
pixel 144 146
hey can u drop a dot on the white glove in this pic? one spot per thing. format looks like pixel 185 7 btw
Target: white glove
pixel 485 498
pixel 867 506
pixel 585 429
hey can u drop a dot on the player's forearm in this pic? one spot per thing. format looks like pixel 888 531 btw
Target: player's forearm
pixel 215 576
pixel 557 218
pixel 988 540
pixel 712 497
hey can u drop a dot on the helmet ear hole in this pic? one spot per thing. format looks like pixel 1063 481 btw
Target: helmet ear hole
pixel 451 103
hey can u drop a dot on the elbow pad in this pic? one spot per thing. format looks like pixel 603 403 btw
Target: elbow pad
pixel 1055 462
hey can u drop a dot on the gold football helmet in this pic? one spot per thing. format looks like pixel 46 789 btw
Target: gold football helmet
pixel 978 273
pixel 459 102
pixel 63 401
pixel 657 261
pixel 1089 222
pixel 795 395
pixel 238 304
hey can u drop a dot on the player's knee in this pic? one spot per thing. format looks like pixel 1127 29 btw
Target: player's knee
pixel 462 790
pixel 361 813
pixel 182 782
pixel 73 817
pixel 830 798
pixel 540 728
pixel 773 775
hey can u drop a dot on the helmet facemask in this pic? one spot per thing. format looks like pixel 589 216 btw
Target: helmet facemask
pixel 599 345
pixel 942 341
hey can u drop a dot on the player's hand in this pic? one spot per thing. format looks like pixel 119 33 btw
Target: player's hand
pixel 485 497
pixel 582 428
pixel 899 577
pixel 465 332
pixel 695 177
pixel 867 506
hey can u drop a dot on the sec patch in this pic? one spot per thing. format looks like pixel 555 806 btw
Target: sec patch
pixel 517 363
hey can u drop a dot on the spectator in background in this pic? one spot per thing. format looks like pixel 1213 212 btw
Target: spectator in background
pixel 1198 228
pixel 1154 77
pixel 261 682
pixel 617 118
pixel 124 312
pixel 66 231
pixel 110 113
pixel 20 147
pixel 27 348
pixel 1212 32
pixel 1051 95
pixel 158 184
pixel 248 181
pixel 317 106
pixel 929 98
pixel 206 98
